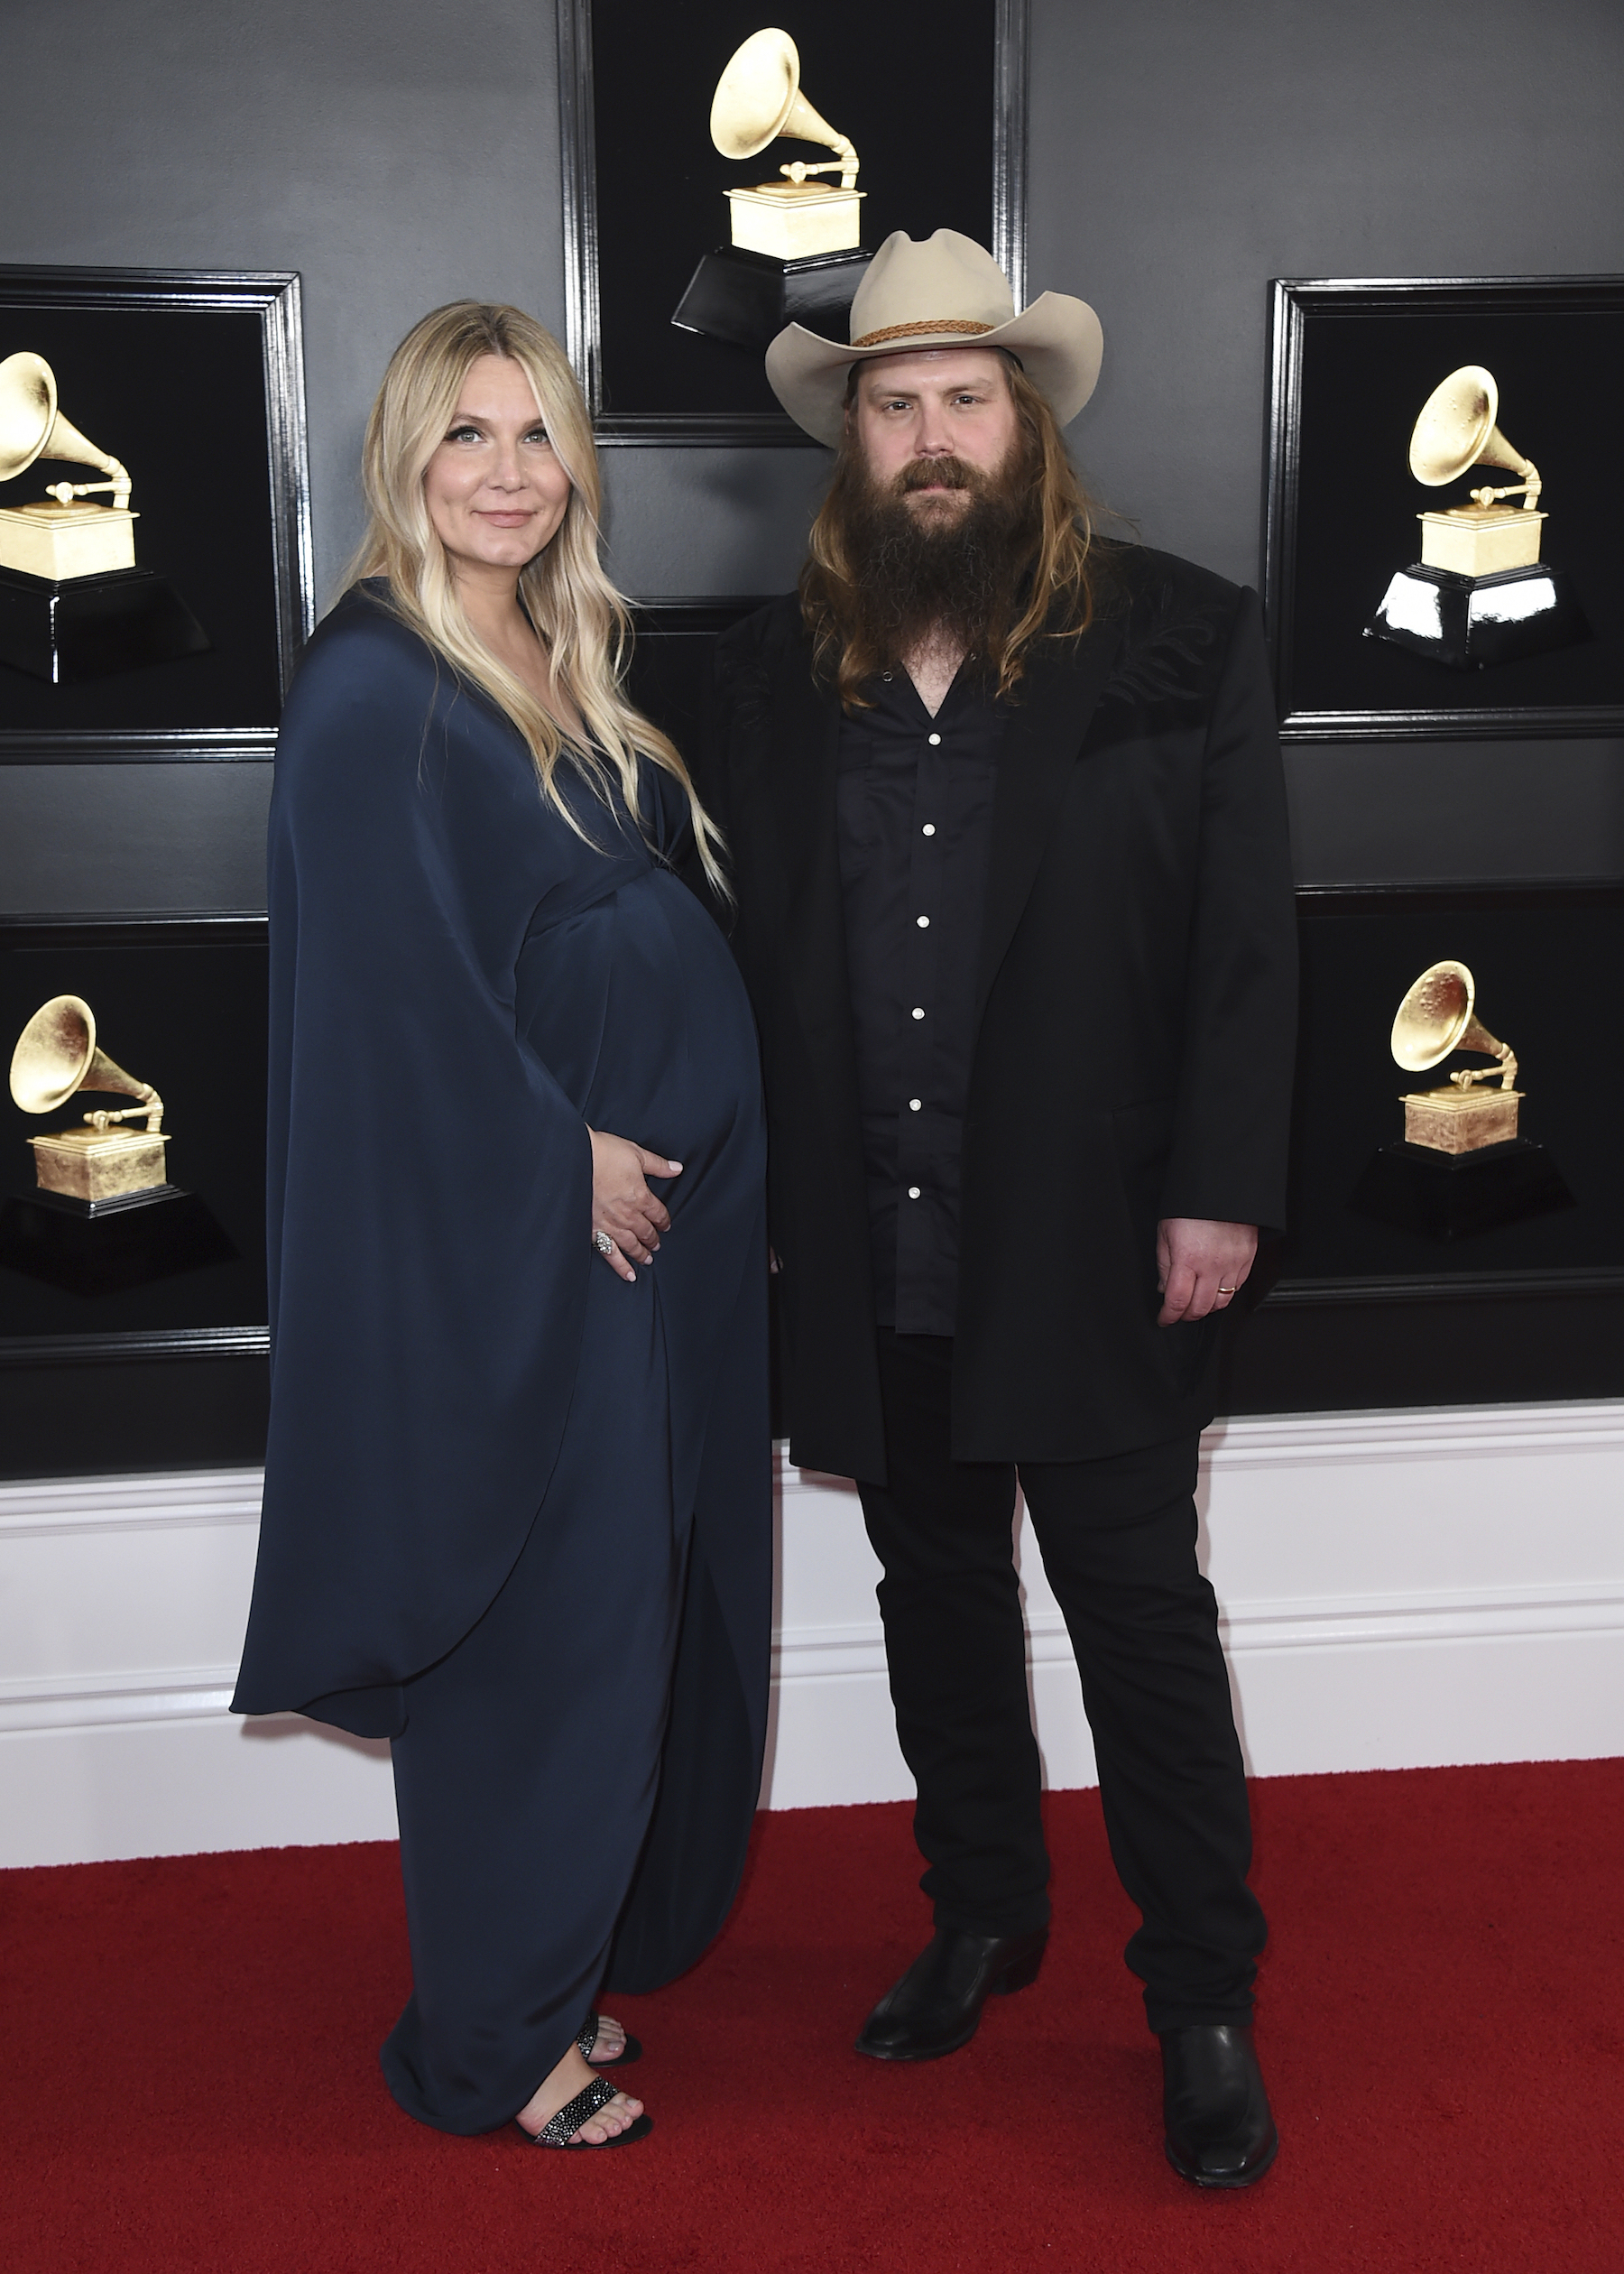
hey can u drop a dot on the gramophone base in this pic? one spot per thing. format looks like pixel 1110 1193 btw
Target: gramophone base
pixel 1448 1119
pixel 86 627
pixel 98 1165
pixel 748 298
pixel 1469 623
pixel 1450 1196
pixel 796 221
pixel 101 1247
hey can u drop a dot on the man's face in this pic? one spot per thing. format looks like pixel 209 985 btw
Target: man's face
pixel 932 405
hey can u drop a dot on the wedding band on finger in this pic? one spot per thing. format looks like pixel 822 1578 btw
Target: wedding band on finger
pixel 1228 1290
pixel 603 1242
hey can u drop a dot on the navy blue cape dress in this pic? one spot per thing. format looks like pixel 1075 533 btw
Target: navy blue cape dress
pixel 517 1513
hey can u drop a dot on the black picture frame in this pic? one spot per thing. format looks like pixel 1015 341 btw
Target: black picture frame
pixel 1528 946
pixel 604 146
pixel 1353 361
pixel 195 379
pixel 180 1001
pixel 1360 1313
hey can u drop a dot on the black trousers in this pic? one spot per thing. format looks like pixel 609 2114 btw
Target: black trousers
pixel 1118 1538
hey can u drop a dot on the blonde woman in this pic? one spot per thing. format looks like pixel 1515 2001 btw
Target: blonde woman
pixel 516 1493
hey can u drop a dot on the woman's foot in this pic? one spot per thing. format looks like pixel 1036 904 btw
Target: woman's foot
pixel 573 2075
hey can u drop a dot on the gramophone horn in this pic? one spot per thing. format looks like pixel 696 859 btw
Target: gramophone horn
pixel 1456 430
pixel 56 1054
pixel 31 427
pixel 758 98
pixel 1437 1016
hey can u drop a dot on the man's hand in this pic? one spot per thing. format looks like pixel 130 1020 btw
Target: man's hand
pixel 623 1206
pixel 1199 1265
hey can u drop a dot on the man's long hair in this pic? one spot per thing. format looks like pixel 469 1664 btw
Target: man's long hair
pixel 1053 595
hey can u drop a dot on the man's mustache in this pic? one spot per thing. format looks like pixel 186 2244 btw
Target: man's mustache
pixel 937 473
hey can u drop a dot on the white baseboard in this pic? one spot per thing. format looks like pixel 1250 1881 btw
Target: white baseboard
pixel 1397 1590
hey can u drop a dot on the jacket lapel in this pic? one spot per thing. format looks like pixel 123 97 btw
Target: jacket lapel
pixel 1041 742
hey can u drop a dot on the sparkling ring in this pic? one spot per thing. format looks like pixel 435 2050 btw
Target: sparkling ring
pixel 603 1242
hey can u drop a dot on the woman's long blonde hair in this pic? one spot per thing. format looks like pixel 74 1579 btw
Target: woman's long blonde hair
pixel 583 621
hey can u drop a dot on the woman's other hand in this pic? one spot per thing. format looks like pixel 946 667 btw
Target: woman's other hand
pixel 624 1209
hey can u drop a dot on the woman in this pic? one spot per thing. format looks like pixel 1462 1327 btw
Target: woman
pixel 516 1510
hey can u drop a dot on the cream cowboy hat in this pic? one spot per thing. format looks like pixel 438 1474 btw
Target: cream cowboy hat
pixel 945 292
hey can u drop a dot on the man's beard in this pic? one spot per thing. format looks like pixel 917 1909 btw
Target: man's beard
pixel 925 575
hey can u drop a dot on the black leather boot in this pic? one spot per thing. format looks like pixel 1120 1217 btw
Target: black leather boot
pixel 1220 2130
pixel 936 2007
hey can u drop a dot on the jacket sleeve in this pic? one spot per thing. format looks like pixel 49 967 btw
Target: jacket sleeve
pixel 1231 1122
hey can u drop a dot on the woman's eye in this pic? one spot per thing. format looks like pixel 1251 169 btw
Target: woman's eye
pixel 464 434
pixel 538 435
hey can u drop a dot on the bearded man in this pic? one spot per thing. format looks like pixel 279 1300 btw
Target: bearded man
pixel 1014 901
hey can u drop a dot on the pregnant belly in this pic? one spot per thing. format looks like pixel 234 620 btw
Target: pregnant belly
pixel 637 1010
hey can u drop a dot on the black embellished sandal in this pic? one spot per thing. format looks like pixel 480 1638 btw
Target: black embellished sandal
pixel 556 2132
pixel 632 2051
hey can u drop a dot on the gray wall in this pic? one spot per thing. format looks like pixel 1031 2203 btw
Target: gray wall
pixel 398 153
pixel 1184 152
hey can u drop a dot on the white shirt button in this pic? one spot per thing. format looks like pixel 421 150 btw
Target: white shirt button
pixel 913 1192
pixel 923 922
pixel 933 740
pixel 914 1104
pixel 918 1013
pixel 929 830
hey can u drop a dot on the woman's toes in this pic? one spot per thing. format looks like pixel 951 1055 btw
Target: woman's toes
pixel 609 2042
pixel 610 2120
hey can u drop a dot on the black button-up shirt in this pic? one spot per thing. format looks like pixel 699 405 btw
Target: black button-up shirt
pixel 914 809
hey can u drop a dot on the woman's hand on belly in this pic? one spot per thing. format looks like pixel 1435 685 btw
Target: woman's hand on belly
pixel 624 1210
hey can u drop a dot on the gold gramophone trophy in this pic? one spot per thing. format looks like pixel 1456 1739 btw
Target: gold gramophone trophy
pixel 1479 593
pixel 1436 1018
pixel 100 1163
pixel 1461 1166
pixel 793 255
pixel 94 1225
pixel 73 603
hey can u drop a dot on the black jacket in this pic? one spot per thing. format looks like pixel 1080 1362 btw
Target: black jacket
pixel 1136 1018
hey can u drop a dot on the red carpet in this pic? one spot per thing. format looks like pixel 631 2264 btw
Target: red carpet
pixel 190 2078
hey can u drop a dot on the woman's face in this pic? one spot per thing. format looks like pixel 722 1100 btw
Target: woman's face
pixel 495 492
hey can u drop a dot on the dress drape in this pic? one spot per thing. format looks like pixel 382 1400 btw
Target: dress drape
pixel 517 1512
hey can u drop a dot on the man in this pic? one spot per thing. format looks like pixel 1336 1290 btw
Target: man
pixel 1014 905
